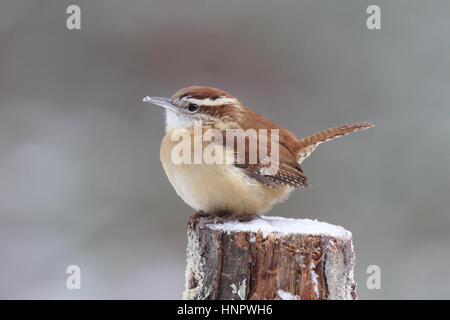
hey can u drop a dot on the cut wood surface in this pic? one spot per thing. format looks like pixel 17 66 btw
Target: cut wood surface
pixel 268 258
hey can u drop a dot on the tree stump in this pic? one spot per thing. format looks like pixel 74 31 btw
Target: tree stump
pixel 268 258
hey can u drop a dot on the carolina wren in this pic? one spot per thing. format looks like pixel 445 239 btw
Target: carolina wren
pixel 236 188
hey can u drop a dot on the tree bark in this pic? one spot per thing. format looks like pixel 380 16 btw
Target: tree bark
pixel 268 258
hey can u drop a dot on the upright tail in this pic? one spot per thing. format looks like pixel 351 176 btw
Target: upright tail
pixel 307 145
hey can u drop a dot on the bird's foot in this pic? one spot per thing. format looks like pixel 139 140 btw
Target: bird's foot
pixel 196 216
pixel 248 217
pixel 214 219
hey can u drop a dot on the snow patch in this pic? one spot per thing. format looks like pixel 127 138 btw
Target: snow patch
pixel 241 291
pixel 287 295
pixel 194 268
pixel 284 226
pixel 315 277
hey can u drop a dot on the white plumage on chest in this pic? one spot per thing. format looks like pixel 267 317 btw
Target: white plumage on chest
pixel 218 188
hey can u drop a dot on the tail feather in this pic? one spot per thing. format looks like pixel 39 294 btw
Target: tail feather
pixel 307 145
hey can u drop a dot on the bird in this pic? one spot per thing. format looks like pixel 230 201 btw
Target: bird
pixel 236 188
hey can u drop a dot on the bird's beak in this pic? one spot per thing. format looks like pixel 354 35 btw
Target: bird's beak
pixel 162 102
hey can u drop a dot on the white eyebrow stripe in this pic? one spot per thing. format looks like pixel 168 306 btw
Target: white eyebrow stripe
pixel 210 102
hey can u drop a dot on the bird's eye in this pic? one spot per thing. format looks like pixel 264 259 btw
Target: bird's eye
pixel 193 107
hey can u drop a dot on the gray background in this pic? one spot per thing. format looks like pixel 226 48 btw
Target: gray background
pixel 80 177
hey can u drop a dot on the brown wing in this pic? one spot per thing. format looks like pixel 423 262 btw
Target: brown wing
pixel 289 172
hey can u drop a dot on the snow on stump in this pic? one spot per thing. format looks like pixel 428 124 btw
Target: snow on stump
pixel 268 258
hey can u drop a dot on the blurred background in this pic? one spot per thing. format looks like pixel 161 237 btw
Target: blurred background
pixel 80 176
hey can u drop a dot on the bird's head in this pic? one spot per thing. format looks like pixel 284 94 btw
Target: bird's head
pixel 198 103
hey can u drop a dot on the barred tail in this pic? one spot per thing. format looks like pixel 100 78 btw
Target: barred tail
pixel 307 145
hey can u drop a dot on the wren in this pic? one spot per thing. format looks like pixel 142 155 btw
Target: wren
pixel 239 187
